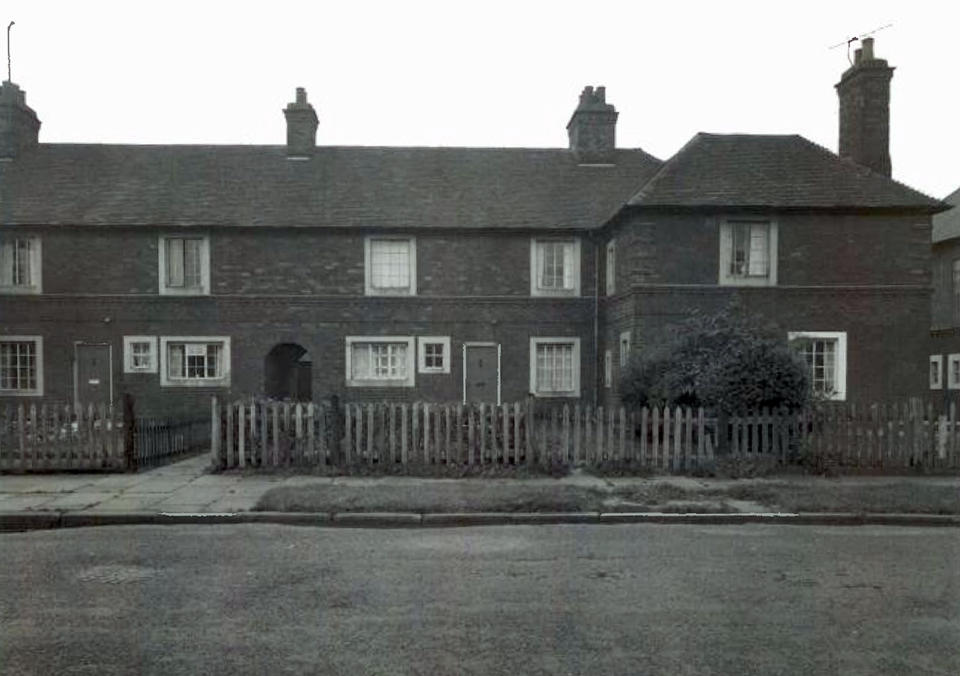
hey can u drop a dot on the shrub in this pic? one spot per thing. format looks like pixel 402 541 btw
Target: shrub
pixel 725 361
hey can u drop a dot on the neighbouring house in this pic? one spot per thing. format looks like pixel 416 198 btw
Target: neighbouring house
pixel 944 357
pixel 474 274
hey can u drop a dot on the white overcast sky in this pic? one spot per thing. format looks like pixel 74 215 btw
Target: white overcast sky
pixel 487 73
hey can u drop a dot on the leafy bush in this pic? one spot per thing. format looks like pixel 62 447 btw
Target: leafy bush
pixel 725 361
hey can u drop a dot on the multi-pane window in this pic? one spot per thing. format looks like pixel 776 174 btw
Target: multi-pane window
pixel 391 265
pixel 140 354
pixel 379 361
pixel 953 371
pixel 184 265
pixel 825 354
pixel 434 354
pixel 555 366
pixel 821 358
pixel 955 290
pixel 19 264
pixel 19 364
pixel 555 267
pixel 194 361
pixel 748 251
pixel 936 372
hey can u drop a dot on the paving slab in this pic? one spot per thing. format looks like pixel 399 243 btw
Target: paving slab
pixel 32 501
pixel 125 504
pixel 75 501
pixel 49 483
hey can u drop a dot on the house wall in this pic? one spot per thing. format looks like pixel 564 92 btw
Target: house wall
pixel 867 275
pixel 294 286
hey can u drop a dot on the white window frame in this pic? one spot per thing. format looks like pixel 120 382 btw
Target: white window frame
pixel 368 288
pixel 128 342
pixel 204 288
pixel 222 381
pixel 422 343
pixel 840 364
pixel 935 373
pixel 611 267
pixel 607 368
pixel 535 288
pixel 534 343
pixel 38 347
pixel 36 261
pixel 408 381
pixel 625 352
pixel 726 253
pixel 953 371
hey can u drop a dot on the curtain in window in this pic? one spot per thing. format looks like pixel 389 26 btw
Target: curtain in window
pixel 759 249
pixel 191 262
pixel 175 276
pixel 390 263
pixel 554 367
pixel 7 257
pixel 360 361
pixel 175 361
pixel 555 265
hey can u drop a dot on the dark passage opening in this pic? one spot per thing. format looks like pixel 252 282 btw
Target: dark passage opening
pixel 287 373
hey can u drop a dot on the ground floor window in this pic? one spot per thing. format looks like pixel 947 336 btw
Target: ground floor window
pixel 434 354
pixel 374 361
pixel 555 367
pixel 195 361
pixel 825 353
pixel 936 372
pixel 953 371
pixel 139 354
pixel 21 365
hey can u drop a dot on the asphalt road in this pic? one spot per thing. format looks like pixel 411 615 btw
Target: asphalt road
pixel 638 599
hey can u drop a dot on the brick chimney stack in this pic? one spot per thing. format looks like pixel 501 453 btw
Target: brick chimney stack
pixel 19 126
pixel 592 127
pixel 864 91
pixel 301 126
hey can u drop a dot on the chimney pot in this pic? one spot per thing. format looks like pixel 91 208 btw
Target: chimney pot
pixel 867 49
pixel 19 126
pixel 857 54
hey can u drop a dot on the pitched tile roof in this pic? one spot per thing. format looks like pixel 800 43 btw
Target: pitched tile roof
pixel 947 225
pixel 765 171
pixel 64 184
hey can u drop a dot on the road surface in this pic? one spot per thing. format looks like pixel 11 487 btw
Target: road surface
pixel 632 599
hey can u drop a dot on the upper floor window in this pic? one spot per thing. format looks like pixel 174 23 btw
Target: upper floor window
pixel 555 267
pixel 19 264
pixel 184 265
pixel 611 267
pixel 21 366
pixel 825 353
pixel 391 266
pixel 748 252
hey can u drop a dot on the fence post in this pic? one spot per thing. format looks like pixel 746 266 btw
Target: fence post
pixel 129 438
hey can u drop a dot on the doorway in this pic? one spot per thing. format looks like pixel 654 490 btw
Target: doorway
pixel 481 373
pixel 288 373
pixel 93 374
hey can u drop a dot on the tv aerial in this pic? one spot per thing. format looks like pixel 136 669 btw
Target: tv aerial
pixel 9 26
pixel 857 38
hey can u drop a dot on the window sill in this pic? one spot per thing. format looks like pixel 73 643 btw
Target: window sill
pixel 20 290
pixel 380 383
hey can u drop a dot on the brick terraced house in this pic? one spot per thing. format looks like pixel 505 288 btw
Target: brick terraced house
pixel 478 274
pixel 945 309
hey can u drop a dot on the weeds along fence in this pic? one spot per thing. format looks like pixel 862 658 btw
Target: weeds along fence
pixel 60 437
pixel 895 437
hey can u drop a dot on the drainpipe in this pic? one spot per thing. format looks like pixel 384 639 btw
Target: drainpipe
pixel 597 366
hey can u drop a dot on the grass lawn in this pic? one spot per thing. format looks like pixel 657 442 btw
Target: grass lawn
pixel 642 495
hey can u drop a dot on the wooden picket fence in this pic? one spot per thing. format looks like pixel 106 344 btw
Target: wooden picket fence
pixel 60 437
pixel 161 440
pixel 261 433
